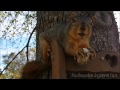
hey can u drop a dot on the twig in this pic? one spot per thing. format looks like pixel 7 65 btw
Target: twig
pixel 19 52
pixel 28 43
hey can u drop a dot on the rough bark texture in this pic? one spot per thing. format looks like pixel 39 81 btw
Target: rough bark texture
pixel 105 36
pixel 105 33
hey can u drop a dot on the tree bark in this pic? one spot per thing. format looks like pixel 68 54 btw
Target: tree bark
pixel 105 36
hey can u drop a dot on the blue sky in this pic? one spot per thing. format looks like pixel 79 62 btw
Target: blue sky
pixel 16 43
pixel 6 46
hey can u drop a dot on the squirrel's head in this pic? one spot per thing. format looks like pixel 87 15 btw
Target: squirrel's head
pixel 81 26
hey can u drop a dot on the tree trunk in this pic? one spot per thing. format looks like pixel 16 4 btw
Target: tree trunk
pixel 105 33
pixel 105 36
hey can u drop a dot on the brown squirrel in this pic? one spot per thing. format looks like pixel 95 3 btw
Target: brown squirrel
pixel 33 70
pixel 73 38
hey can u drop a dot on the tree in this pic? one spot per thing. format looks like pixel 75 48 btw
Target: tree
pixel 14 69
pixel 15 30
pixel 105 35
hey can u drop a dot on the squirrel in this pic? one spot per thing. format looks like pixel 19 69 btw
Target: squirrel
pixel 33 70
pixel 73 37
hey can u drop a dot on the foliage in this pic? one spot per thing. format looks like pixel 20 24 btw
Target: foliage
pixel 13 71
pixel 15 28
pixel 16 22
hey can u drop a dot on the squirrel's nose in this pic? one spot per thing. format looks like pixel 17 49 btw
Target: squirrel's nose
pixel 83 26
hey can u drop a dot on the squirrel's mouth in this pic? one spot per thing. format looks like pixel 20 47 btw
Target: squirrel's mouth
pixel 82 34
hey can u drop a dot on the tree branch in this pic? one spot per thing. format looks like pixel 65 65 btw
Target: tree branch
pixel 20 52
pixel 28 43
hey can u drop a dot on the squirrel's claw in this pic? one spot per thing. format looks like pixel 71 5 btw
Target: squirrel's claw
pixel 93 54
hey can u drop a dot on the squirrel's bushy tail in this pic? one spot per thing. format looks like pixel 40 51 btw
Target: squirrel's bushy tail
pixel 33 70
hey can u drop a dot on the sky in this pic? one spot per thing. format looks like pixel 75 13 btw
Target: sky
pixel 117 16
pixel 19 40
pixel 6 47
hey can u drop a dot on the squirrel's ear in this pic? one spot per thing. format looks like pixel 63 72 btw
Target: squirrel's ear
pixel 92 15
pixel 73 20
pixel 73 16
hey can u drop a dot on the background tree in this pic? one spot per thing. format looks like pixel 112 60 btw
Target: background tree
pixel 105 36
pixel 14 69
pixel 15 30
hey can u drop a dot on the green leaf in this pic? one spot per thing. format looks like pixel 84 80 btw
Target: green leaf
pixel 12 21
pixel 0 20
pixel 9 14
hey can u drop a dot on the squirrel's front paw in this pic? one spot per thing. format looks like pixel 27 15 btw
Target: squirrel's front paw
pixel 81 57
pixel 92 53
